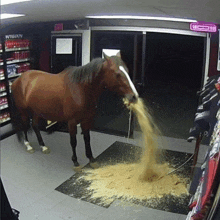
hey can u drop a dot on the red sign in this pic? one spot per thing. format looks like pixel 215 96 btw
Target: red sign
pixel 58 27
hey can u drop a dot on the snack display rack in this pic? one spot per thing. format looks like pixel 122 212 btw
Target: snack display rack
pixel 14 60
pixel 205 203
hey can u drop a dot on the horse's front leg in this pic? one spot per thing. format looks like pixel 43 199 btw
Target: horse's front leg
pixel 86 135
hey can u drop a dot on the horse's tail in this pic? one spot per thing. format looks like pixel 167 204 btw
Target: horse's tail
pixel 16 120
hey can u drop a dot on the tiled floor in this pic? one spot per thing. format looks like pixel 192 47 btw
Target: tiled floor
pixel 30 179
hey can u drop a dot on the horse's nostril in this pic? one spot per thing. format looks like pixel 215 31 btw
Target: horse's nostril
pixel 131 98
pixel 134 98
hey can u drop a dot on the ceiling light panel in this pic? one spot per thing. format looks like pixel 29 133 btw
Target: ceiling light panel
pixel 5 15
pixel 140 17
pixel 7 2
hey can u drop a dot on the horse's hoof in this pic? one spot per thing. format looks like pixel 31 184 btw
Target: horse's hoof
pixel 30 150
pixel 94 165
pixel 77 169
pixel 45 150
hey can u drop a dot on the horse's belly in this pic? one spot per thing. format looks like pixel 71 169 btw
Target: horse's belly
pixel 52 116
pixel 46 107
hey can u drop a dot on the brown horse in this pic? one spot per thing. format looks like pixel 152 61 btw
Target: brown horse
pixel 70 96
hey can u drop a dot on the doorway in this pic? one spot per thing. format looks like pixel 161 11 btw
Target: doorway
pixel 112 116
pixel 66 51
pixel 174 67
pixel 171 72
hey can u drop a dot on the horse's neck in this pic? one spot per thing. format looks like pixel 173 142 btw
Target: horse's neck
pixel 95 89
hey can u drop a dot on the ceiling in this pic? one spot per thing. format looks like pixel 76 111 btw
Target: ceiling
pixel 60 10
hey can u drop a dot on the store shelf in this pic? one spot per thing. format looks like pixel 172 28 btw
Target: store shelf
pixel 17 49
pixel 14 76
pixel 3 93
pixel 5 121
pixel 3 106
pixel 18 61
pixel 7 130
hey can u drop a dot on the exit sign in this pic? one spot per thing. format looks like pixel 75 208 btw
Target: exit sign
pixel 58 27
pixel 202 26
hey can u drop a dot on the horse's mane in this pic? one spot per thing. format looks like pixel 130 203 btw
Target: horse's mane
pixel 84 73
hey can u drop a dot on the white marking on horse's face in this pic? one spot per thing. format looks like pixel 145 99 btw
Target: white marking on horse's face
pixel 129 80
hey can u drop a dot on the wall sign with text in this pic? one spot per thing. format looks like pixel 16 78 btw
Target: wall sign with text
pixel 201 26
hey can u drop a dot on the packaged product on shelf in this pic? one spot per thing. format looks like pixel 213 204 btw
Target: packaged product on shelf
pixel 1 72
pixel 11 70
pixel 18 43
pixel 23 67
pixel 1 118
pixel 2 87
pixel 21 55
pixel 15 55
pixel 5 116
pixel 4 101
pixel 9 44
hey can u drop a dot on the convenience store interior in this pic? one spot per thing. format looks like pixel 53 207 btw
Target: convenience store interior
pixel 174 67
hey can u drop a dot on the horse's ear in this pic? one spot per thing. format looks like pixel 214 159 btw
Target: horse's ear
pixel 118 54
pixel 105 56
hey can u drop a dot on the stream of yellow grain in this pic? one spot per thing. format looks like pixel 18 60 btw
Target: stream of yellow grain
pixel 138 180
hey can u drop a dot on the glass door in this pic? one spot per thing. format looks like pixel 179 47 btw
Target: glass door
pixel 112 116
pixel 66 50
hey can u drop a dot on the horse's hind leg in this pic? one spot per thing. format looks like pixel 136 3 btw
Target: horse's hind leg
pixel 26 125
pixel 45 150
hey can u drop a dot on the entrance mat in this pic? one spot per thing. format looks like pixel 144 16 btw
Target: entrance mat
pixel 120 152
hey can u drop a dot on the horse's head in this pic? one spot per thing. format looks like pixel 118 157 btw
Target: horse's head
pixel 117 77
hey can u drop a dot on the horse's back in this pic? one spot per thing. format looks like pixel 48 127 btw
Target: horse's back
pixel 21 85
pixel 38 91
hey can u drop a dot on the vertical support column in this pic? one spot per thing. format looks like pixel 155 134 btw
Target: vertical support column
pixel 143 58
pixel 86 46
pixel 131 114
pixel 206 59
pixel 51 54
pixel 135 60
pixel 76 52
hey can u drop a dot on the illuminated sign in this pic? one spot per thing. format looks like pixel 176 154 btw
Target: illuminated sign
pixel 202 26
pixel 58 27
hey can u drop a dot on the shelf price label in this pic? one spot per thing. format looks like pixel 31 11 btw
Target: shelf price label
pixel 202 26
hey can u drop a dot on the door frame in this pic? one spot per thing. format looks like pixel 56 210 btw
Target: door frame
pixel 144 31
pixel 86 39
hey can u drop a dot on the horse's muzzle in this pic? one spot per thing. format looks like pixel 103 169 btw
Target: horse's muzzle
pixel 131 98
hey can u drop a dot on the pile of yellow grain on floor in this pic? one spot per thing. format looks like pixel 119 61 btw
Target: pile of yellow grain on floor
pixel 139 180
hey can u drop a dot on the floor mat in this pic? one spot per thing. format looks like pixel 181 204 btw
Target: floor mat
pixel 120 152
